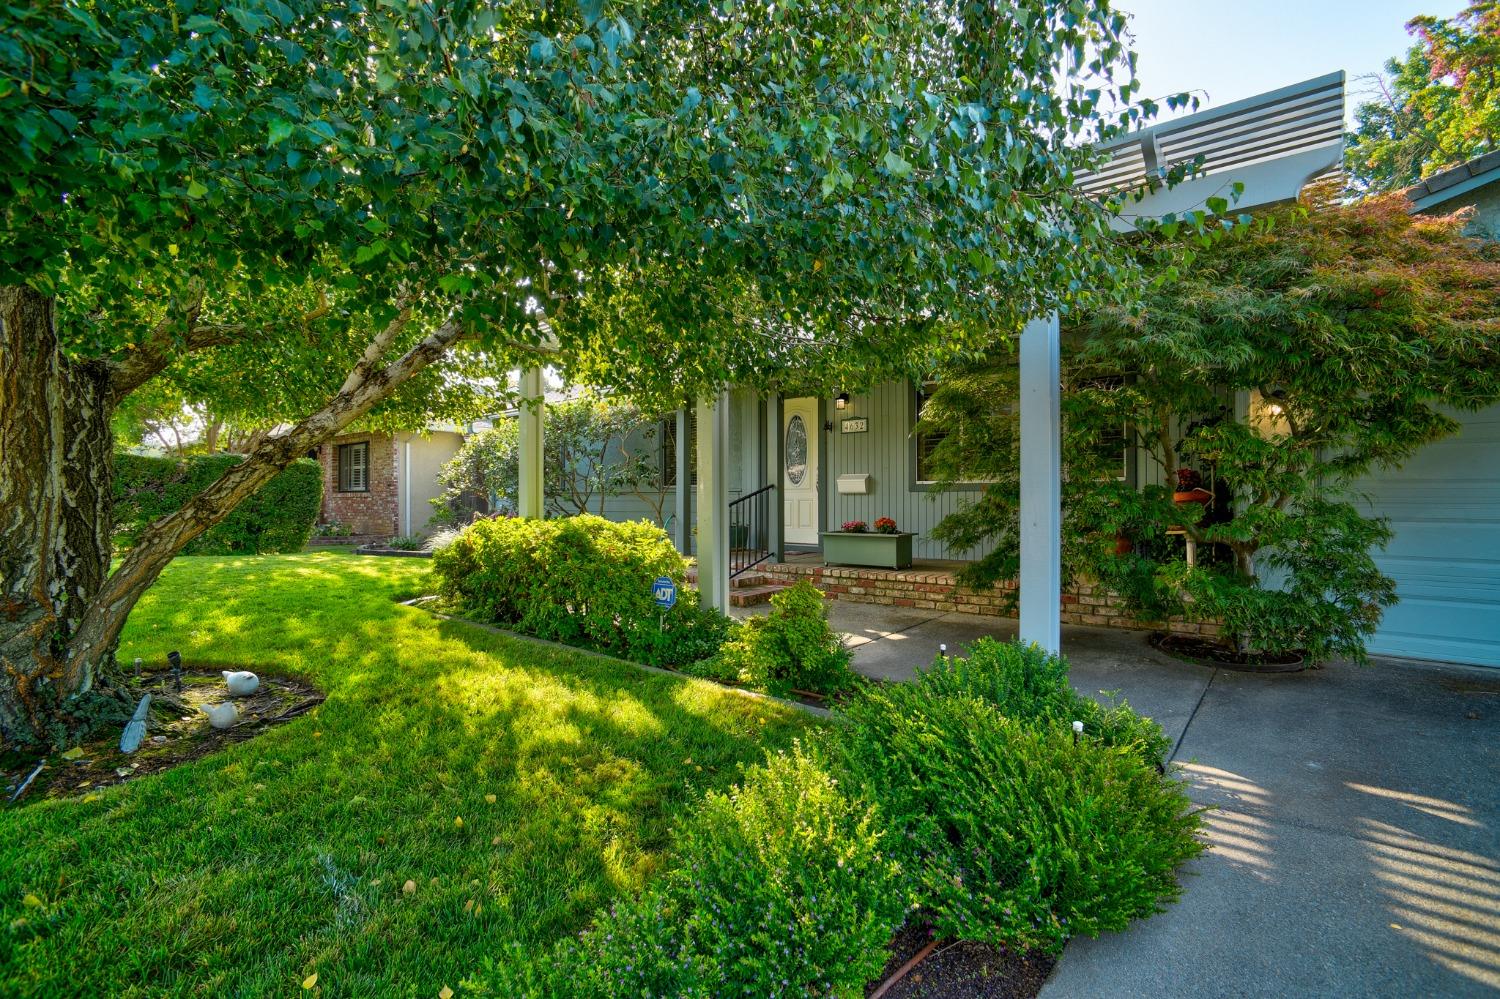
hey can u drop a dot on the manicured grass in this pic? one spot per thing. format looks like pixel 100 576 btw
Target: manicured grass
pixel 245 872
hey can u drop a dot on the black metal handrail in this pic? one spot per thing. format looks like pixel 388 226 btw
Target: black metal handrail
pixel 750 530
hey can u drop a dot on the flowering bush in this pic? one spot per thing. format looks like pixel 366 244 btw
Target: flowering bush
pixel 788 891
pixel 885 525
pixel 1013 833
pixel 856 526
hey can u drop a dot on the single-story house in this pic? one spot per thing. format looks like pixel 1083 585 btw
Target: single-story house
pixel 784 471
pixel 380 485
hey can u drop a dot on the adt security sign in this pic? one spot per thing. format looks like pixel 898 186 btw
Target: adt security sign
pixel 664 592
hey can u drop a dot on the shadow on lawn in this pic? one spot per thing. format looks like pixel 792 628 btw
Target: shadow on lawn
pixel 518 787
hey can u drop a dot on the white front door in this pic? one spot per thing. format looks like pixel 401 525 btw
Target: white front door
pixel 799 471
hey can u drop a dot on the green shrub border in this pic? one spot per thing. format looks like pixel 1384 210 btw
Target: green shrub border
pixel 276 519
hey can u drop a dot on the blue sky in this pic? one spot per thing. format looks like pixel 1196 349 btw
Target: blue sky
pixel 1243 48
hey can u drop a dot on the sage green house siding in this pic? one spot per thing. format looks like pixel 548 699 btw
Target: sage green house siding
pixel 887 453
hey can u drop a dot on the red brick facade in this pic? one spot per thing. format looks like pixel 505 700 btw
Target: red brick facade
pixel 939 591
pixel 375 512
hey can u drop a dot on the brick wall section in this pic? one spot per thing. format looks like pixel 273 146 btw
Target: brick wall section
pixel 939 591
pixel 375 513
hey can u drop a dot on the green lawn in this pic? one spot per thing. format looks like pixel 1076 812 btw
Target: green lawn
pixel 245 872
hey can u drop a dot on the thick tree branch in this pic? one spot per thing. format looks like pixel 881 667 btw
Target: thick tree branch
pixel 105 616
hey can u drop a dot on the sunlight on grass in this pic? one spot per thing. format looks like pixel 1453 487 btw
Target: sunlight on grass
pixel 515 785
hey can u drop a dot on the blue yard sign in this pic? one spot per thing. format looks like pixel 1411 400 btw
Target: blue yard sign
pixel 664 592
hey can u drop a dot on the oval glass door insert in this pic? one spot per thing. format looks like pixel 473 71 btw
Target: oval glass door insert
pixel 796 451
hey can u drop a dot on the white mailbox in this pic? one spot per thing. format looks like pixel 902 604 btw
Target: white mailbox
pixel 854 482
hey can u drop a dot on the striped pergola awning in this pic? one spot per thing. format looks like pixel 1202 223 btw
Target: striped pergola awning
pixel 1268 142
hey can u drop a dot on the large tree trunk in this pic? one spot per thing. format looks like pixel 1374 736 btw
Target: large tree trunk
pixel 55 516
pixel 61 610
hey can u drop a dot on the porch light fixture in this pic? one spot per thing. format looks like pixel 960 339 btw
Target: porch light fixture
pixel 841 401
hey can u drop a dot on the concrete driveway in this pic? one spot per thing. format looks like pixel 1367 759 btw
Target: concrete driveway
pixel 1355 831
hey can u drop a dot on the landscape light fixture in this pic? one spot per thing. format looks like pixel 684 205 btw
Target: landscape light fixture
pixel 841 401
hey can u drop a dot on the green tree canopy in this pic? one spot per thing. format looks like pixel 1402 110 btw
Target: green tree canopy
pixel 1438 106
pixel 310 213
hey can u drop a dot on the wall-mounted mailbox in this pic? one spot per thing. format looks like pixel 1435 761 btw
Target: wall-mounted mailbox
pixel 854 482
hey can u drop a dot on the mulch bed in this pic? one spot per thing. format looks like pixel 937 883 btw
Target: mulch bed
pixel 1207 652
pixel 392 552
pixel 176 733
pixel 962 970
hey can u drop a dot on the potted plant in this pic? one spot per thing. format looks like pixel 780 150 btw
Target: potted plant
pixel 1190 488
pixel 887 547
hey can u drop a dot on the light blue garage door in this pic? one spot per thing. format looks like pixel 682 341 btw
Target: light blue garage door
pixel 1444 507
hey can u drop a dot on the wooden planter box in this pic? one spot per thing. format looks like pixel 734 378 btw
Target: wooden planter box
pixel 882 551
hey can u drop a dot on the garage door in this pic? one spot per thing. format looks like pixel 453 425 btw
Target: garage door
pixel 1444 507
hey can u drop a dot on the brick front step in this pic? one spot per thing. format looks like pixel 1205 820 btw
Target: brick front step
pixel 744 581
pixel 750 596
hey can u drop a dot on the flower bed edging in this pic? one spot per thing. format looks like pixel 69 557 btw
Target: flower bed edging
pixel 419 603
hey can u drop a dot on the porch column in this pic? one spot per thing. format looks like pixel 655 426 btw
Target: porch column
pixel 713 501
pixel 682 501
pixel 532 500
pixel 1041 485
pixel 775 542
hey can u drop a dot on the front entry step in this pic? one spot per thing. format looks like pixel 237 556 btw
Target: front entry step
pixel 744 581
pixel 748 589
pixel 753 595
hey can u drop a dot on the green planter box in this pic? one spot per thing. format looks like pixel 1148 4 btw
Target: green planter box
pixel 883 551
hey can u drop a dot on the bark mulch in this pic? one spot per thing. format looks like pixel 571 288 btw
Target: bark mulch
pixel 1207 652
pixel 962 970
pixel 176 733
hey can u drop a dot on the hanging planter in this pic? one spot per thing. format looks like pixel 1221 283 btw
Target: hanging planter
pixel 1190 488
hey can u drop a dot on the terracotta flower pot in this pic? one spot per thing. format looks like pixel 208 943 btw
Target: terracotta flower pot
pixel 1200 496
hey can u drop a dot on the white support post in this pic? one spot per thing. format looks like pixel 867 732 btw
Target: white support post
pixel 532 499
pixel 772 433
pixel 713 501
pixel 1041 484
pixel 682 499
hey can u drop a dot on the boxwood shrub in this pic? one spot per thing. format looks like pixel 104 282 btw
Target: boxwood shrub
pixel 1014 834
pixel 793 647
pixel 786 889
pixel 1025 683
pixel 277 518
pixel 581 580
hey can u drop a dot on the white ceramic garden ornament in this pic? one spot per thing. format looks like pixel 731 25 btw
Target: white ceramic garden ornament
pixel 220 715
pixel 241 683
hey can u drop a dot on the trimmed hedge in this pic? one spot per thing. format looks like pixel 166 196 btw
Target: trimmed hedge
pixel 277 518
pixel 581 580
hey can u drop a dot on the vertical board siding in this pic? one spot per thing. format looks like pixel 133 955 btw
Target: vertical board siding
pixel 885 453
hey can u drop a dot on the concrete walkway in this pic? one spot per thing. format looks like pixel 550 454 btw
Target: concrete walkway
pixel 1356 824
